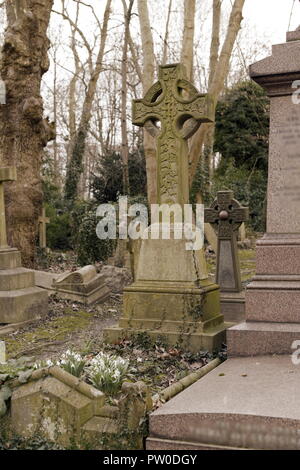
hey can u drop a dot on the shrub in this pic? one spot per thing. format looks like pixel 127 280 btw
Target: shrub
pixel 89 248
pixel 59 231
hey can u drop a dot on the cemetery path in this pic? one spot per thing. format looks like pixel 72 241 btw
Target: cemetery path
pixel 68 325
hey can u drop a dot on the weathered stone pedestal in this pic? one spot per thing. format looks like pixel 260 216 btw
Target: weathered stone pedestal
pixel 172 299
pixel 20 299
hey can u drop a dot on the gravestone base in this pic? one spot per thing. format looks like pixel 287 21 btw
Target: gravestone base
pixel 233 306
pixel 20 299
pixel 245 403
pixel 172 298
pixel 272 300
pixel 172 313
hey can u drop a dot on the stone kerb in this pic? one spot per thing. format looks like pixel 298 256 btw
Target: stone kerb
pixel 67 410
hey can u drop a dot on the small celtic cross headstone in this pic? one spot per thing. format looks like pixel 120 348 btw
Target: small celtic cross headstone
pixel 6 174
pixel 43 221
pixel 180 109
pixel 226 215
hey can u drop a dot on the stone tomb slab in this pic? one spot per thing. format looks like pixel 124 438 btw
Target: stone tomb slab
pixel 83 285
pixel 245 403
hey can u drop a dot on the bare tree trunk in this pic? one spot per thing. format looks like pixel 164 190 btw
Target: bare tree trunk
pixel 166 45
pixel 215 39
pixel 213 61
pixel 74 168
pixel 23 131
pixel 217 81
pixel 57 176
pixel 124 148
pixel 148 79
pixel 187 51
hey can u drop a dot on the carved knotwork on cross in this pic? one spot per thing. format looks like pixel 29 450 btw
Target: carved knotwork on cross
pixel 180 109
pixel 226 215
pixel 6 174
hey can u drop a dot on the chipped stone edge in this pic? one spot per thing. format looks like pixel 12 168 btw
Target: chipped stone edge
pixel 184 383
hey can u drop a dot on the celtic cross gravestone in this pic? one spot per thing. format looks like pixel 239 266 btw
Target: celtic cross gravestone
pixel 226 215
pixel 171 295
pixel 179 117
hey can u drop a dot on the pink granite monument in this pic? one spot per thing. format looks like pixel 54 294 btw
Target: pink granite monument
pixel 273 296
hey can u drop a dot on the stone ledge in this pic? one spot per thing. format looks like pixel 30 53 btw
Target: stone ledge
pixel 261 338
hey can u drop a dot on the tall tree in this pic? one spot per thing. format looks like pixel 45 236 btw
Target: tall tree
pixel 74 168
pixel 23 131
pixel 147 81
pixel 124 148
pixel 217 81
pixel 187 50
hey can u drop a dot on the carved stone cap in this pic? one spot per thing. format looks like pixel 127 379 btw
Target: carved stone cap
pixel 81 276
pixel 278 72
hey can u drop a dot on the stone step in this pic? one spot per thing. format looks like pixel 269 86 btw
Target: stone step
pixel 10 259
pixel 210 340
pixel 261 338
pixel 245 403
pixel 17 278
pixel 23 304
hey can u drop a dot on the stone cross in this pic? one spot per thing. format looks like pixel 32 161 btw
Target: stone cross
pixel 6 174
pixel 180 109
pixel 43 220
pixel 226 215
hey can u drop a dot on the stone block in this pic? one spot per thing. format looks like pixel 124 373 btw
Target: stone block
pixel 233 306
pixel 17 278
pixel 22 304
pixel 10 259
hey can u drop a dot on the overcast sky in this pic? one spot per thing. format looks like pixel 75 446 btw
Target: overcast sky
pixel 272 17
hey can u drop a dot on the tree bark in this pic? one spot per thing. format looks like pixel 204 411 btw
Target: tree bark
pixel 74 168
pixel 148 79
pixel 124 147
pixel 23 131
